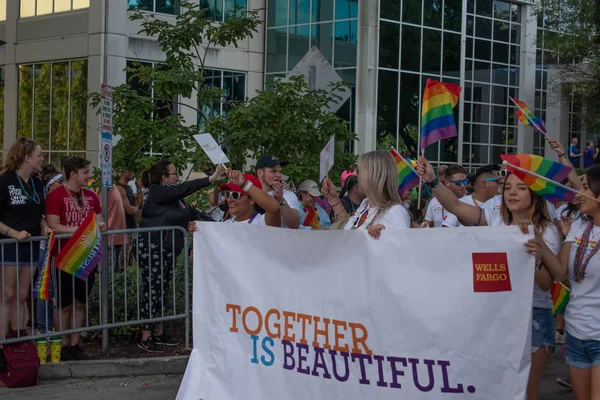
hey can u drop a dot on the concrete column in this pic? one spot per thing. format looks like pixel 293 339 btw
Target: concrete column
pixel 366 76
pixel 11 75
pixel 527 74
pixel 557 113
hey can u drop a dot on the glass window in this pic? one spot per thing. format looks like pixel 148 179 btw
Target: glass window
pixel 483 28
pixel 299 12
pixel 432 52
pixel 322 10
pixel 453 15
pixel 481 134
pixel 409 102
pixel 389 44
pixel 432 13
pixel 278 13
pixel 500 52
pixel 299 44
pixel 215 7
pixel 3 17
pixel 390 9
pixel 479 154
pixel 346 9
pixel 387 103
pixel 411 48
pixel 411 11
pixel 233 85
pixel 500 74
pixel 276 50
pixel 1 112
pixel 52 106
pixel 346 33
pixel 483 50
pixel 322 38
pixel 481 113
pixel 501 31
pixel 30 8
pixel 483 7
pixel 451 65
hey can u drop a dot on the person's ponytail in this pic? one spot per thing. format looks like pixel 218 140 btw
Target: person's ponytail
pixel 146 178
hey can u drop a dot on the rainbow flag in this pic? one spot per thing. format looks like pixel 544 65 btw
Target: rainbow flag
pixel 437 117
pixel 526 117
pixel 407 176
pixel 41 288
pixel 560 297
pixel 541 175
pixel 83 251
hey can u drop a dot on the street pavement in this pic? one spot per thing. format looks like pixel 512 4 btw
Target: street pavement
pixel 160 387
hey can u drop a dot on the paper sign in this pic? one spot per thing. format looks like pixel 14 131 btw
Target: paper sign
pixel 211 148
pixel 327 158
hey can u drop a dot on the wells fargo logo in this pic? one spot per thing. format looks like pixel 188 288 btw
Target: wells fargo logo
pixel 490 272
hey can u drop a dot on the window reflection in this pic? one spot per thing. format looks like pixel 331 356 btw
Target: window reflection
pixel 30 8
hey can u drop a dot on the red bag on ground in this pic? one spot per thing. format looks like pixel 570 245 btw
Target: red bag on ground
pixel 22 363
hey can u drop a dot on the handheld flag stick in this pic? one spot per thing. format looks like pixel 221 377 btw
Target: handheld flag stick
pixel 565 286
pixel 420 186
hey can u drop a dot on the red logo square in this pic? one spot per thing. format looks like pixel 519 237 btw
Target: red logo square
pixel 490 272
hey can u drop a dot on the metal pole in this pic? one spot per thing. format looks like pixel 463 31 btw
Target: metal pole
pixel 104 274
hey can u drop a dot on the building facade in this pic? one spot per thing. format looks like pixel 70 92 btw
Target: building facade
pixel 57 51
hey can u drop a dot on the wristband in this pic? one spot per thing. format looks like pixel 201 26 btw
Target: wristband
pixel 433 183
pixel 336 204
pixel 7 230
pixel 247 186
pixel 561 155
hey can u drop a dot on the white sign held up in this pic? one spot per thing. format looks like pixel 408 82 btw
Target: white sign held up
pixel 211 148
pixel 327 158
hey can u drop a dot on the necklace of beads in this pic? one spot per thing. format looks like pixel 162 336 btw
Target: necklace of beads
pixel 34 196
pixel 581 260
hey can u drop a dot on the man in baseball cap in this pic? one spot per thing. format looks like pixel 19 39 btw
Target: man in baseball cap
pixel 268 170
pixel 314 215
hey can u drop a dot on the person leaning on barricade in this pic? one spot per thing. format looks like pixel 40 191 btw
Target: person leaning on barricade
pixel 382 208
pixel 66 208
pixel 165 205
pixel 21 216
pixel 519 206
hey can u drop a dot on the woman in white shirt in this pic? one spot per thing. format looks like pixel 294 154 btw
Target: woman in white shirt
pixel 578 260
pixel 519 205
pixel 382 208
pixel 243 192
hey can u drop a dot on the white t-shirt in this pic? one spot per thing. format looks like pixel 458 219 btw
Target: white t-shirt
pixel 541 298
pixel 582 317
pixel 494 205
pixel 396 217
pixel 452 220
pixel 437 214
pixel 562 212
pixel 292 201
pixel 258 219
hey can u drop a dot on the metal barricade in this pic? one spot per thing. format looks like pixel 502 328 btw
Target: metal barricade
pixel 149 291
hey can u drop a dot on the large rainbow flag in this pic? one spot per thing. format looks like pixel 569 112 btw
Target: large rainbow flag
pixel 541 175
pixel 437 117
pixel 560 297
pixel 526 117
pixel 407 176
pixel 41 288
pixel 83 251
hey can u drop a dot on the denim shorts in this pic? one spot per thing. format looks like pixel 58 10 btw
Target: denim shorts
pixel 543 330
pixel 583 354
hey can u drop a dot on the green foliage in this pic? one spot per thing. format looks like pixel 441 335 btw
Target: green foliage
pixel 405 141
pixel 146 107
pixel 289 121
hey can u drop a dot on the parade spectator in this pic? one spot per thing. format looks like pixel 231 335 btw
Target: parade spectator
pixel 456 180
pixel 117 220
pixel 589 154
pixel 382 208
pixel 164 206
pixel 520 206
pixel 268 170
pixel 351 195
pixel 21 216
pixel 132 203
pixel 351 171
pixel 486 187
pixel 243 193
pixel 574 152
pixel 66 207
pixel 314 216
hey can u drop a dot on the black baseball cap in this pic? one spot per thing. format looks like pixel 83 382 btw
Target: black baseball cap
pixel 269 161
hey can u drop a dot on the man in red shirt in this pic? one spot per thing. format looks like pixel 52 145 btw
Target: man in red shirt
pixel 66 207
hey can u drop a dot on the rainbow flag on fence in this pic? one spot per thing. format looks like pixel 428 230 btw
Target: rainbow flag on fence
pixel 541 176
pixel 437 117
pixel 407 176
pixel 560 297
pixel 41 288
pixel 526 117
pixel 83 251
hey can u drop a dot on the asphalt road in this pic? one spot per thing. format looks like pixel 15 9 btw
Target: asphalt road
pixel 165 388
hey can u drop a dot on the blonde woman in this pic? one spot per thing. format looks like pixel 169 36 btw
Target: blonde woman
pixel 382 208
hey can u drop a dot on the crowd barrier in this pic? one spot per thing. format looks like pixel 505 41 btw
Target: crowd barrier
pixel 114 294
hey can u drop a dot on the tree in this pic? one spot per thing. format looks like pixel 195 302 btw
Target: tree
pixel 145 109
pixel 289 121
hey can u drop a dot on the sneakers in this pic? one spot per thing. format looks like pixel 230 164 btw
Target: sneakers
pixel 150 346
pixel 165 340
pixel 78 353
pixel 66 354
pixel 560 337
pixel 564 382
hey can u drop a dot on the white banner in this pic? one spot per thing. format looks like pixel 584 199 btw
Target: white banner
pixel 419 314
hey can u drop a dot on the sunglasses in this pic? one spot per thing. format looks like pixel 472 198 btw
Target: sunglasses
pixel 233 195
pixel 491 179
pixel 502 173
pixel 459 183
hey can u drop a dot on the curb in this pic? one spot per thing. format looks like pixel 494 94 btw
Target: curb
pixel 115 368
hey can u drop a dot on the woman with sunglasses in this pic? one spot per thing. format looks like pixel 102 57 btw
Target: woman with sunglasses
pixel 244 192
pixel 382 208
pixel 456 181
pixel 157 251
pixel 519 206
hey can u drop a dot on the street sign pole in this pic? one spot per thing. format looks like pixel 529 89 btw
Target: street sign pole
pixel 106 128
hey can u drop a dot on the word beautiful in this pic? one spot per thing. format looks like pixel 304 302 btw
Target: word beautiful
pixel 335 344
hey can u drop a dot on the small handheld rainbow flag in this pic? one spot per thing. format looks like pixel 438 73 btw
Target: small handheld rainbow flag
pixel 526 117
pixel 560 297
pixel 437 117
pixel 41 288
pixel 83 251
pixel 312 218
pixel 407 176
pixel 541 175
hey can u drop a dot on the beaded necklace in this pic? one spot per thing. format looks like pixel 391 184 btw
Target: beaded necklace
pixel 75 203
pixel 34 196
pixel 581 261
pixel 364 220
